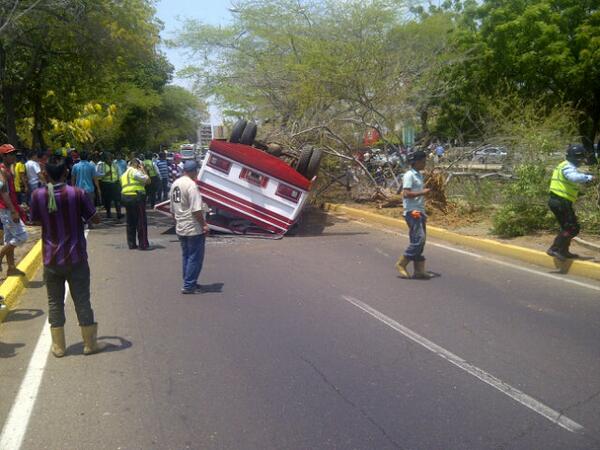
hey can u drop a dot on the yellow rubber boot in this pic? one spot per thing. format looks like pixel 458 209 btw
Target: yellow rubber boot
pixel 420 273
pixel 401 267
pixel 89 334
pixel 59 345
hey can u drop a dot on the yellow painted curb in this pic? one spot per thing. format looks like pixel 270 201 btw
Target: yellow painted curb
pixel 13 286
pixel 573 267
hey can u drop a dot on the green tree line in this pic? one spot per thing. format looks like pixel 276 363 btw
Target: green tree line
pixel 463 69
pixel 89 73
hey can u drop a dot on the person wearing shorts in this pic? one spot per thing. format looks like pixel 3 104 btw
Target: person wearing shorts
pixel 15 234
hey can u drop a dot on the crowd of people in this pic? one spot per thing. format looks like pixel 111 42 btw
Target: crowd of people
pixel 61 191
pixel 98 174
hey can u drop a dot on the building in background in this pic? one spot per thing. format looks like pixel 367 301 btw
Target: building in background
pixel 219 132
pixel 204 135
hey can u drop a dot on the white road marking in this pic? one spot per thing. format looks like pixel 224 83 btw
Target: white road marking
pixel 381 252
pixel 457 250
pixel 18 418
pixel 498 261
pixel 16 424
pixel 524 399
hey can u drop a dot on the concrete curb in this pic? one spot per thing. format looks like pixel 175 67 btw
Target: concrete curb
pixel 13 286
pixel 574 267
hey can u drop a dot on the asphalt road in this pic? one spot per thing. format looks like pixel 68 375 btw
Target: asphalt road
pixel 311 342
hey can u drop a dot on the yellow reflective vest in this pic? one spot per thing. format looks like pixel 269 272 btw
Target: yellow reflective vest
pixel 111 172
pixel 559 185
pixel 150 169
pixel 129 185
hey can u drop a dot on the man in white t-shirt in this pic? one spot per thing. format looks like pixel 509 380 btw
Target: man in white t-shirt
pixel 414 193
pixel 35 177
pixel 191 228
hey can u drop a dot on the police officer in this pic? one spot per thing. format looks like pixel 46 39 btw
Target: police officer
pixel 153 186
pixel 108 171
pixel 133 197
pixel 564 191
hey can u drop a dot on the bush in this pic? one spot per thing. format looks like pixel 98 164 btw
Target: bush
pixel 472 195
pixel 525 209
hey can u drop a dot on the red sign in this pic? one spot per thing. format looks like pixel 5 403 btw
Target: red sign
pixel 371 137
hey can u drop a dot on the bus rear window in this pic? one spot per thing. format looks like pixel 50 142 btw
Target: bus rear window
pixel 218 163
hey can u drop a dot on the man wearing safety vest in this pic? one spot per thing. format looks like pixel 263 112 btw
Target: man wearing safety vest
pixel 133 196
pixel 108 172
pixel 563 192
pixel 154 185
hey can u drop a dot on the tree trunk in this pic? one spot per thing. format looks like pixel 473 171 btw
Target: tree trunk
pixel 590 123
pixel 424 122
pixel 7 94
pixel 37 133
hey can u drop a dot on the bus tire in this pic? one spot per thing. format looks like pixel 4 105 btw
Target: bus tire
pixel 313 164
pixel 249 134
pixel 237 131
pixel 303 160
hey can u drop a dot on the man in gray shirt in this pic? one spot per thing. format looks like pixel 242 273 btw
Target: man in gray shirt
pixel 413 201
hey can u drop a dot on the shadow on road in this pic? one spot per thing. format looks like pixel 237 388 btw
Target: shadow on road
pixel 19 315
pixel 35 284
pixel 211 288
pixel 77 349
pixel 8 350
pixel 314 222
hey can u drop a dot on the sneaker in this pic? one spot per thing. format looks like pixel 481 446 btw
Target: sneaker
pixel 570 255
pixel 556 254
pixel 14 272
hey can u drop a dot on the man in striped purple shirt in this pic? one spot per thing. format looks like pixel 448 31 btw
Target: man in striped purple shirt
pixel 62 211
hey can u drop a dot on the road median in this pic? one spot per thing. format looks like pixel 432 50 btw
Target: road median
pixel 573 267
pixel 12 287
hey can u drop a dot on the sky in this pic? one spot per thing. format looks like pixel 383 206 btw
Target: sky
pixel 209 11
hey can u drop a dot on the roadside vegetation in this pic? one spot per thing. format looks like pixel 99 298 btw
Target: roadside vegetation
pixel 89 73
pixel 521 75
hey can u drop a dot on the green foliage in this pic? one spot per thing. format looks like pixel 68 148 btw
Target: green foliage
pixel 353 64
pixel 473 195
pixel 57 56
pixel 542 50
pixel 525 209
pixel 151 119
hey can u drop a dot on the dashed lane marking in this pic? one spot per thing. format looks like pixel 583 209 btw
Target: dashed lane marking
pixel 524 399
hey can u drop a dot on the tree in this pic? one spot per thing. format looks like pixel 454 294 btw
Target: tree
pixel 540 49
pixel 63 54
pixel 351 65
pixel 150 119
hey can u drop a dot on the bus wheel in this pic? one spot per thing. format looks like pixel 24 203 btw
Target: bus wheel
pixel 303 160
pixel 237 131
pixel 249 134
pixel 313 165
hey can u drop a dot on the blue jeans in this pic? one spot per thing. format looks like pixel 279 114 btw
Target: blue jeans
pixel 417 229
pixel 192 255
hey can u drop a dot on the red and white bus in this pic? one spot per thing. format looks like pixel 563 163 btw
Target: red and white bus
pixel 249 191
